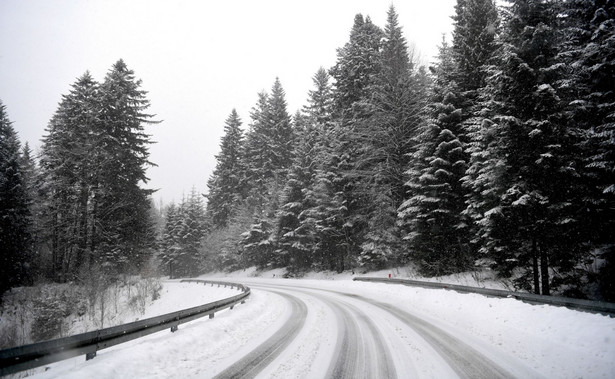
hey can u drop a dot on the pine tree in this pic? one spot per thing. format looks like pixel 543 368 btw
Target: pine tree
pixel 256 178
pixel 225 185
pixel 268 156
pixel 170 246
pixel 124 205
pixel 589 54
pixel 282 135
pixel 69 169
pixel 184 229
pixel 432 213
pixel 15 217
pixel 355 73
pixel 296 235
pixel 192 232
pixel 320 99
pixel 357 64
pixel 536 222
pixel 397 101
pixel 474 42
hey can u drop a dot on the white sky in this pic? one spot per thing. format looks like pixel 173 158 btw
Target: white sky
pixel 197 59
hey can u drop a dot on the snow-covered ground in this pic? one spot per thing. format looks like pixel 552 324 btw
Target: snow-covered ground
pixel 521 339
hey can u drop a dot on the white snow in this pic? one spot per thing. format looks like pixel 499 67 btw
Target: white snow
pixel 528 340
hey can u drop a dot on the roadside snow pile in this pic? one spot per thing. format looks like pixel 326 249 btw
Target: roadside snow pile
pixel 195 350
pixel 555 341
pixel 176 296
pixel 32 314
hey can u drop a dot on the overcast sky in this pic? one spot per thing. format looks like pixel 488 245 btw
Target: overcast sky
pixel 197 59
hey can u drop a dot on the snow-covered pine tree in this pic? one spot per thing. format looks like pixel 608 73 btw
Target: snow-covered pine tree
pixel 255 178
pixel 225 185
pixel 398 96
pixel 70 169
pixel 474 42
pixel 126 230
pixel 170 246
pixel 15 217
pixel 268 157
pixel 537 219
pixel 295 230
pixel 432 216
pixel 282 134
pixel 320 100
pixel 355 71
pixel 192 231
pixel 589 54
pixel 184 229
pixel 32 179
pixel 357 63
pixel 315 228
pixel 257 242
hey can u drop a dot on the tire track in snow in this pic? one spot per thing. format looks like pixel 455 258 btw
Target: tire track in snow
pixel 255 361
pixel 354 358
pixel 360 351
pixel 463 359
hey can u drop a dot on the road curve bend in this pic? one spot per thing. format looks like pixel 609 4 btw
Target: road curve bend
pixel 369 339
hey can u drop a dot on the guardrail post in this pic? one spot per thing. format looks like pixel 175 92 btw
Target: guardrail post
pixel 89 356
pixel 211 315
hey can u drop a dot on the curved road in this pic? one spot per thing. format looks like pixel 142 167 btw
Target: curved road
pixel 369 339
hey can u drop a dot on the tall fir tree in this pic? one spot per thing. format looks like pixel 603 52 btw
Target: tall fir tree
pixel 268 155
pixel 432 214
pixel 93 163
pixel 354 73
pixel 256 178
pixel 589 54
pixel 70 170
pixel 475 43
pixel 536 180
pixel 294 242
pixel 398 97
pixel 226 190
pixel 282 134
pixel 15 217
pixel 124 218
pixel 357 63
pixel 316 230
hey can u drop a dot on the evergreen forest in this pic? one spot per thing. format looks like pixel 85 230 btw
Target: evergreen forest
pixel 499 155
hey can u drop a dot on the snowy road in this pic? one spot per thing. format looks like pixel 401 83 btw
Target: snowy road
pixel 346 329
pixel 377 340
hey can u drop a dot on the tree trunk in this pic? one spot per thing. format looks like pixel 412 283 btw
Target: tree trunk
pixel 535 267
pixel 544 271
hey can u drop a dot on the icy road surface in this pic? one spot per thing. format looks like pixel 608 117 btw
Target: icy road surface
pixel 345 329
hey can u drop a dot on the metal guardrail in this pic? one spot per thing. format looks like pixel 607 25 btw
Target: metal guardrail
pixel 578 304
pixel 25 357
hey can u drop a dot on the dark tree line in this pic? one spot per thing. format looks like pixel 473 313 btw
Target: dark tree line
pixel 500 156
pixel 82 210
